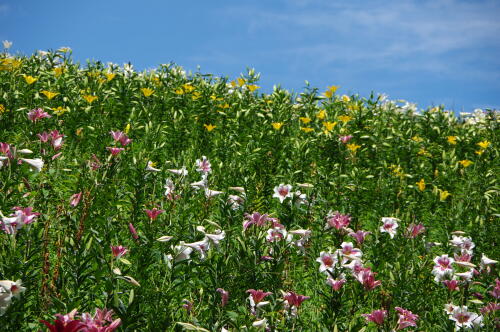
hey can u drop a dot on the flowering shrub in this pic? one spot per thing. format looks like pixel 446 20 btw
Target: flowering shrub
pixel 181 200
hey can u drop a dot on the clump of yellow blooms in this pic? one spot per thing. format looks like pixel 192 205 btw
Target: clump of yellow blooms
pixel 277 125
pixel 483 146
pixel 465 163
pixel 49 94
pixel 321 114
pixel 209 127
pixel 421 185
pixel 344 118
pixel 30 79
pixel 147 92
pixel 330 91
pixel 89 98
pixel 452 139
pixel 353 147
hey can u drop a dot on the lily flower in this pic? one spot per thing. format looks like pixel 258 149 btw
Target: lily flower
pixel 203 165
pixel 75 199
pixel 376 316
pixel 282 192
pixel 389 226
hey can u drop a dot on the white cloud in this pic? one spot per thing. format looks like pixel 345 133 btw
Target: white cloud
pixel 386 33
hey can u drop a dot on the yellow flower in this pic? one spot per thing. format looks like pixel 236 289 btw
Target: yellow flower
pixel 344 118
pixel 147 92
pixel 58 71
pixel 241 81
pixel 209 127
pixel 443 195
pixel 329 125
pixel 479 152
pixel 30 79
pixel 331 91
pixel 306 129
pixel 60 110
pixel 346 99
pixel 179 91
pixel 196 95
pixel 465 163
pixel 79 131
pixel 89 98
pixel 321 114
pixel 452 139
pixel 484 144
pixel 127 128
pixel 253 87
pixel 3 109
pixel 417 139
pixel 109 76
pixel 233 83
pixel 421 185
pixel 93 74
pixel 353 147
pixel 188 87
pixel 305 120
pixel 397 170
pixel 50 94
pixel 277 125
pixel 424 152
pixel 10 64
pixel 226 105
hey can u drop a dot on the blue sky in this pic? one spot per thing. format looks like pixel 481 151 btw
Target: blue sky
pixel 429 52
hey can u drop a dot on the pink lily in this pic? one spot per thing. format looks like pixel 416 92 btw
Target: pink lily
pixel 75 199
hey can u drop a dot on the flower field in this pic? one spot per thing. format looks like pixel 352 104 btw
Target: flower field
pixel 171 201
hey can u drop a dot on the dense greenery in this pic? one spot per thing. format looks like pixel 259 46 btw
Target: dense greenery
pixel 365 158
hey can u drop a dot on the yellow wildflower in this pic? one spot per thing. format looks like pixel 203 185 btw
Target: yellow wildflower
pixel 417 139
pixel 127 128
pixel 306 129
pixel 424 152
pixel 421 185
pixel 60 110
pixel 331 91
pixel 109 76
pixel 353 147
pixel 305 120
pixel 179 91
pixel 50 94
pixel 209 127
pixel 188 87
pixel 443 195
pixel 277 125
pixel 397 170
pixel 196 95
pixel 452 139
pixel 233 83
pixel 344 118
pixel 58 71
pixel 241 81
pixel 30 79
pixel 329 125
pixel 93 74
pixel 79 131
pixel 484 144
pixel 89 98
pixel 253 87
pixel 10 64
pixel 3 109
pixel 346 99
pixel 479 152
pixel 465 163
pixel 321 114
pixel 147 92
